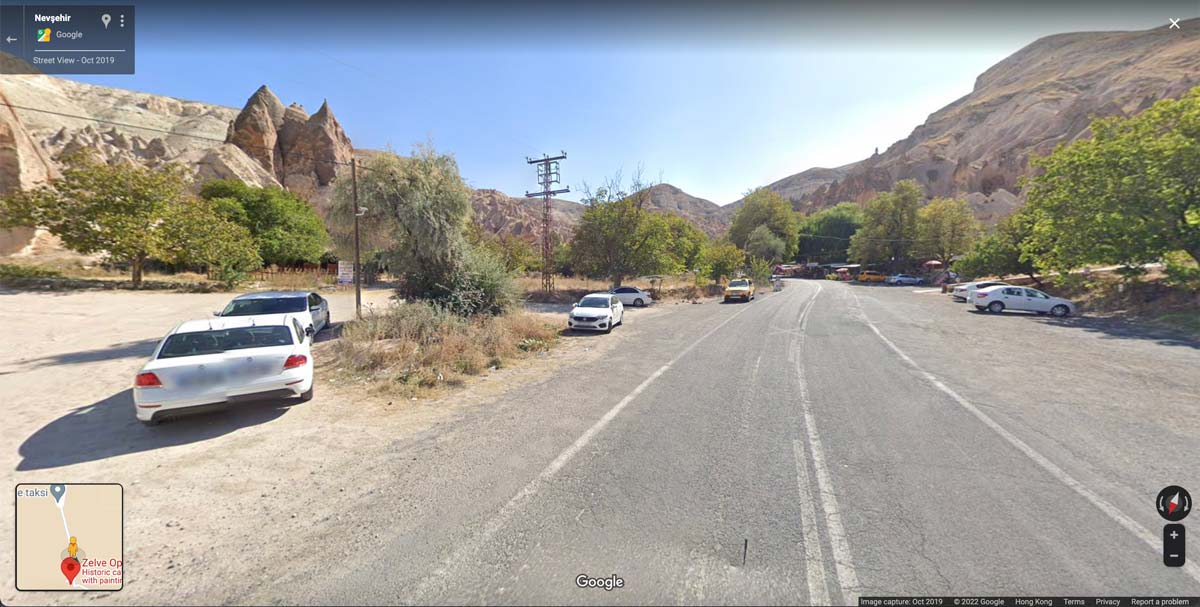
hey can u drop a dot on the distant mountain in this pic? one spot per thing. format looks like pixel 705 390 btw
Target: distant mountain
pixel 1044 94
pixel 502 214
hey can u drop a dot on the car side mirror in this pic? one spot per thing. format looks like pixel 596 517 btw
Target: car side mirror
pixel 216 312
pixel 309 331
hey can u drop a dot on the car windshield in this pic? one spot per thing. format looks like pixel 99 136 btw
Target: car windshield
pixel 275 305
pixel 593 302
pixel 739 283
pixel 222 340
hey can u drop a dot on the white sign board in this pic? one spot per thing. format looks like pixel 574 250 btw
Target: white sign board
pixel 345 272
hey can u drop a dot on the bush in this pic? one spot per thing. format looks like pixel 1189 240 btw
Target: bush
pixel 17 272
pixel 1182 271
pixel 422 345
pixel 483 286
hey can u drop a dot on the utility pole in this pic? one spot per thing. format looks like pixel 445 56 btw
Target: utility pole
pixel 547 172
pixel 358 212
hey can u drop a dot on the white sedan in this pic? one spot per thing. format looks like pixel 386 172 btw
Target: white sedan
pixel 208 363
pixel 1005 297
pixel 964 291
pixel 597 312
pixel 304 303
pixel 632 296
pixel 904 279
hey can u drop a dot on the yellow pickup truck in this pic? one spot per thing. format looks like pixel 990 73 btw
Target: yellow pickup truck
pixel 739 288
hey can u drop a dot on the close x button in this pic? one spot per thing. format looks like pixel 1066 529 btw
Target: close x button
pixel 1173 545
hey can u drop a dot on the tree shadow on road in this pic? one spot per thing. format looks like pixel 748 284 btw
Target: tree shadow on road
pixel 108 428
pixel 1108 327
pixel 132 349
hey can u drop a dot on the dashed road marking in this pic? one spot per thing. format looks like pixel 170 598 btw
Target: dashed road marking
pixel 1053 469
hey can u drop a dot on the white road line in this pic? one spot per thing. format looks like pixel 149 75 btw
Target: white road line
pixel 927 290
pixel 818 593
pixel 501 518
pixel 842 561
pixel 1103 505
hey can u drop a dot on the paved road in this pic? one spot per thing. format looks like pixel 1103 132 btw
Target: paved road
pixel 822 443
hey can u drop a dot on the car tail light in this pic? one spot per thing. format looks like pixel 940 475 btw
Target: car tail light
pixel 295 360
pixel 981 296
pixel 147 380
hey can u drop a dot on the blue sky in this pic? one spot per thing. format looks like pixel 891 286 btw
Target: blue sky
pixel 712 98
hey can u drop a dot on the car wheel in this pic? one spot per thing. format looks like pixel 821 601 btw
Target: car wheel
pixel 726 300
pixel 1060 310
pixel 995 307
pixel 638 303
pixel 608 329
pixel 307 394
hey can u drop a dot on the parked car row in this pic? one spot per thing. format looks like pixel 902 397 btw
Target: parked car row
pixel 257 348
pixel 997 296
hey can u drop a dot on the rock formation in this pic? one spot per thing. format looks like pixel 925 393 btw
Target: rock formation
pixel 302 152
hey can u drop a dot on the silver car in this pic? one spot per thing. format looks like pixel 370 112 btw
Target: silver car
pixel 1005 297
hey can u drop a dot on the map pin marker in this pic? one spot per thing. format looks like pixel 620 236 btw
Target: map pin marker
pixel 70 569
pixel 57 491
pixel 105 18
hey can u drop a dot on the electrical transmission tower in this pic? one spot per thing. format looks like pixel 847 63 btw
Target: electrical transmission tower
pixel 547 172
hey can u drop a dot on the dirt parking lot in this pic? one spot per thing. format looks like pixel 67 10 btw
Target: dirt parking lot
pixel 197 490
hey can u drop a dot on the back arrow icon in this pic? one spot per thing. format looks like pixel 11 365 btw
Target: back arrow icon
pixel 10 39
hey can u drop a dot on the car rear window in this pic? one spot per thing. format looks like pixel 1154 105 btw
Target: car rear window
pixel 222 340
pixel 275 305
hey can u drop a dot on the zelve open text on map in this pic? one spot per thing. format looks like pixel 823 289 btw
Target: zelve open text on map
pixel 70 536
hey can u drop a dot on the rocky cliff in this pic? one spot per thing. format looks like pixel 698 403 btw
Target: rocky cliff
pixel 1037 98
pixel 45 118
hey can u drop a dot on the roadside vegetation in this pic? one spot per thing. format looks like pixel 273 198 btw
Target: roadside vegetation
pixel 418 349
pixel 137 217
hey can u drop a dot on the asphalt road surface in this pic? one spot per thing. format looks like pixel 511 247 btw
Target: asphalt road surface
pixel 822 443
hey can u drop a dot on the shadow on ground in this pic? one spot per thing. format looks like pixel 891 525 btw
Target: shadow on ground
pixel 108 428
pixel 1108 327
pixel 132 349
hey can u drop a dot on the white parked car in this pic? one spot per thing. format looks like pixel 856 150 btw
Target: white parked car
pixel 204 363
pixel 904 279
pixel 308 304
pixel 964 291
pixel 632 296
pixel 1005 297
pixel 597 312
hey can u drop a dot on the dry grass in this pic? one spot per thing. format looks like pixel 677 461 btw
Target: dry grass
pixel 414 349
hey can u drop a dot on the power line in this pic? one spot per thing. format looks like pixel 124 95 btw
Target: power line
pixel 547 171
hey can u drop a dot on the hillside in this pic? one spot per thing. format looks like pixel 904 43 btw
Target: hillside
pixel 263 143
pixel 502 214
pixel 1044 94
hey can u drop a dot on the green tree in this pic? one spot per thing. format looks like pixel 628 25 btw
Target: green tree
pixel 763 244
pixel 723 259
pixel 115 209
pixel 825 235
pixel 764 207
pixel 285 227
pixel 889 226
pixel 517 253
pixel 687 244
pixel 945 227
pixel 417 212
pixel 998 253
pixel 1128 195
pixel 196 232
pixel 617 237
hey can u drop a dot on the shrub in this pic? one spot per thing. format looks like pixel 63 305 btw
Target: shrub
pixel 422 345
